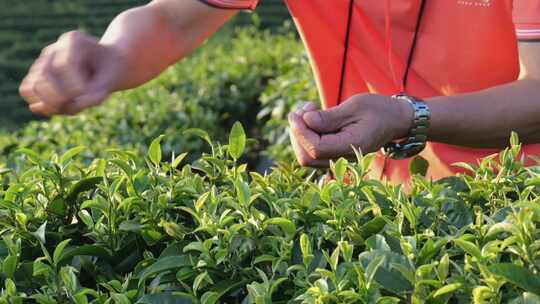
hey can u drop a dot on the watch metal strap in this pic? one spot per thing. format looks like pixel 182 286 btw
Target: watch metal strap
pixel 416 140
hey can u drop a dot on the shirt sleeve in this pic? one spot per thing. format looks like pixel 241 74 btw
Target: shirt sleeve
pixel 233 4
pixel 526 14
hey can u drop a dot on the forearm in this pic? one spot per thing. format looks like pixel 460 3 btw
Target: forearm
pixel 152 37
pixel 486 118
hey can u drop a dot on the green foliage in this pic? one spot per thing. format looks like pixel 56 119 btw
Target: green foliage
pixel 26 27
pixel 135 228
pixel 209 91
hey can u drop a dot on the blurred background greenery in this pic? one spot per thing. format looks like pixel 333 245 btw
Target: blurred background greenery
pixel 254 70
pixel 27 26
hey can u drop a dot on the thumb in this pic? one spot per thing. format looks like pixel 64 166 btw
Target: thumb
pixel 326 121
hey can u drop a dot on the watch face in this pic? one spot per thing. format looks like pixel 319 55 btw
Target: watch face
pixel 407 150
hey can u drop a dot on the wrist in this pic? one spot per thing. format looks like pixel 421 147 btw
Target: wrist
pixel 404 118
pixel 120 62
pixel 416 135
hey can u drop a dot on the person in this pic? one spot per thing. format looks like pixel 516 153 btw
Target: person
pixel 467 73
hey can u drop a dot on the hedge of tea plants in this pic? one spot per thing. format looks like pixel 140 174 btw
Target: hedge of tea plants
pixel 154 228
pixel 26 27
pixel 231 79
pixel 154 198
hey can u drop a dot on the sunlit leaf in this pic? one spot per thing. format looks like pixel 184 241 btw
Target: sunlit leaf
pixel 285 224
pixel 154 151
pixel 237 141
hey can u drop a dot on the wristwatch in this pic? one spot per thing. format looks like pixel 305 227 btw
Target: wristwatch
pixel 417 137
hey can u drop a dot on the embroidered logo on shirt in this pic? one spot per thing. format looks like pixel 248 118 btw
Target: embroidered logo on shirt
pixel 477 3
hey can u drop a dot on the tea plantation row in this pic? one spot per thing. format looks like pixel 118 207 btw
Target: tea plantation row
pixel 99 208
pixel 28 26
pixel 131 228
pixel 231 79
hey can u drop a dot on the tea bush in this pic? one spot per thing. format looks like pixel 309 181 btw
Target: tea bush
pixel 28 26
pixel 132 228
pixel 220 84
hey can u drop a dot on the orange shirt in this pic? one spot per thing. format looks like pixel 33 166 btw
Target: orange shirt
pixel 463 46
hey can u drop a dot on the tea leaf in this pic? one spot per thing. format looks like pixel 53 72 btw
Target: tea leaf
pixel 201 201
pixel 30 154
pixel 243 192
pixel 178 160
pixel 447 289
pixel 334 259
pixel 88 250
pixel 41 269
pixel 70 154
pixel 387 276
pixel 123 166
pixel 9 266
pixel 164 264
pixel 43 299
pixel 120 298
pixel 340 169
pixel 347 250
pixel 514 139
pixel 81 186
pixel 165 298
pixel 9 205
pixel 58 251
pixel 442 269
pixel 22 219
pixel 210 297
pixel 372 270
pixel 377 242
pixel 58 207
pixel 285 224
pixel 154 151
pixel 469 248
pixel 305 247
pixel 418 166
pixel 372 227
pixel 237 141
pixel 199 280
pixel 526 298
pixel 200 133
pixel 518 275
pixel 502 227
pixel 132 226
pixel 40 233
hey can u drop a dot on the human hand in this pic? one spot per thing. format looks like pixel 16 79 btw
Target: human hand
pixel 366 122
pixel 74 73
pixel 297 123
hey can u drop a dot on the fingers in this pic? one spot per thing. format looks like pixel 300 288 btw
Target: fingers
pixel 304 159
pixel 329 121
pixel 39 84
pixel 59 81
pixel 309 106
pixel 308 139
pixel 329 146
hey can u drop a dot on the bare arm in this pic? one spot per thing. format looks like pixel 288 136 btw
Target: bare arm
pixel 154 36
pixel 79 71
pixel 486 118
pixel 482 119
